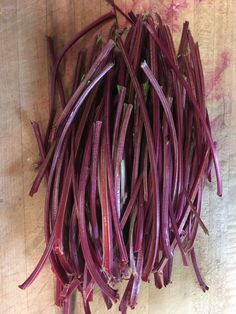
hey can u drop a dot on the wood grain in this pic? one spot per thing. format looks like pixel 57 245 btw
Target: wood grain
pixel 24 96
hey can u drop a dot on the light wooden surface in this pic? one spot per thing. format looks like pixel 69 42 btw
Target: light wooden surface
pixel 24 91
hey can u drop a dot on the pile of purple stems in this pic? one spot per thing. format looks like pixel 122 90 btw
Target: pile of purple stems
pixel 125 158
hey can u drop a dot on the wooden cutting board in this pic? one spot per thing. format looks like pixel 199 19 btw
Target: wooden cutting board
pixel 24 96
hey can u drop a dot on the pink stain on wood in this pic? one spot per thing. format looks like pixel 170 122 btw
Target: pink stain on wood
pixel 139 6
pixel 214 79
pixel 216 92
pixel 220 121
pixel 171 14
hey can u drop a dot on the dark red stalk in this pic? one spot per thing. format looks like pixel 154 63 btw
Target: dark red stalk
pixel 183 40
pixel 70 288
pixel 145 175
pixel 148 215
pixel 158 280
pixel 199 81
pixel 56 183
pixel 128 43
pixel 197 215
pixel 193 62
pixel 40 264
pixel 197 272
pixel 138 239
pixel 178 108
pixel 137 280
pixel 107 301
pixel 67 306
pixel 78 72
pixel 167 272
pixel 58 300
pixel 126 296
pixel 167 38
pixel 154 97
pixel 74 243
pixel 131 242
pixel 132 201
pixel 138 130
pixel 86 307
pixel 87 287
pixel 93 190
pixel 187 158
pixel 121 99
pixel 89 291
pixel 72 166
pixel 42 170
pixel 133 17
pixel 93 52
pixel 117 8
pixel 166 107
pixel 201 77
pixel 39 139
pixel 135 51
pixel 197 220
pixel 106 216
pixel 166 196
pixel 58 79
